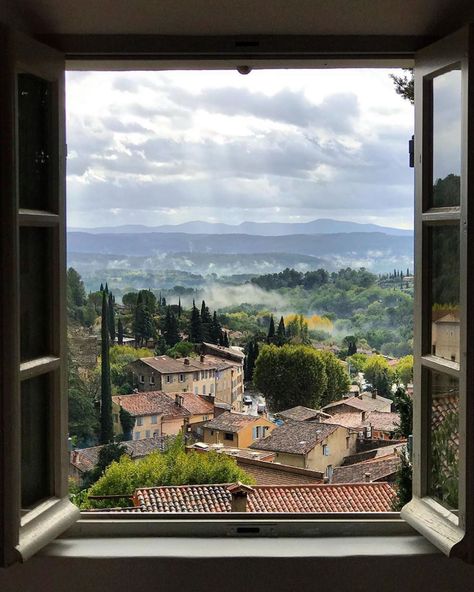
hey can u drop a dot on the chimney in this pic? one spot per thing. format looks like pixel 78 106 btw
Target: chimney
pixel 367 477
pixel 239 493
pixel 186 361
pixel 178 399
pixel 202 357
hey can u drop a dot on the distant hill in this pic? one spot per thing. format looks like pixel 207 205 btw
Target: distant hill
pixel 320 226
pixel 377 251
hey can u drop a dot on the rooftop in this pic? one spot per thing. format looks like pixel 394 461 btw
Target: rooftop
pixel 363 402
pixel 151 403
pixel 231 422
pixel 195 404
pixel 370 470
pixel 300 413
pixel 296 437
pixel 168 365
pixel 360 497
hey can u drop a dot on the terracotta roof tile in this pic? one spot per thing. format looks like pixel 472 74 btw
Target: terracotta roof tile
pixel 300 413
pixel 195 404
pixel 369 470
pixel 296 437
pixel 360 497
pixel 231 422
pixel 150 403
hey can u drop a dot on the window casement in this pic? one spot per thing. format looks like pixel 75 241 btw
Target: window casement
pixel 142 379
pixel 139 421
pixel 34 504
pixel 154 419
pixel 33 336
pixel 443 422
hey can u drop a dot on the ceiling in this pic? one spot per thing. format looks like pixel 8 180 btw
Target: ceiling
pixel 238 17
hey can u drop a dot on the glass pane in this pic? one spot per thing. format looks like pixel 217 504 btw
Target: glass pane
pixel 444 439
pixel 446 139
pixel 35 418
pixel 34 140
pixel 445 292
pixel 35 282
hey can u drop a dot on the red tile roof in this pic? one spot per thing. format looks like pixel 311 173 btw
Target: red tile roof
pixel 371 470
pixel 296 437
pixel 300 413
pixel 360 497
pixel 233 422
pixel 195 404
pixel 151 403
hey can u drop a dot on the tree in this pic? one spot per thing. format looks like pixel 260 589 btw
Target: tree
pixel 403 482
pixel 127 421
pixel 120 332
pixel 111 319
pixel 195 326
pixel 206 322
pixel 180 310
pixel 216 329
pixel 183 349
pixel 357 362
pixel 225 339
pixel 120 356
pixel 174 467
pixel 271 331
pixel 130 300
pixel 350 341
pixel 404 406
pixel 290 375
pixel 170 329
pixel 280 338
pixel 405 85
pixel 378 373
pixel 404 370
pixel 83 424
pixel 76 295
pixel 338 381
pixel 143 325
pixel 106 425
pixel 297 329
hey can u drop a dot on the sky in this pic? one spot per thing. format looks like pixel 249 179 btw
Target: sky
pixel 276 146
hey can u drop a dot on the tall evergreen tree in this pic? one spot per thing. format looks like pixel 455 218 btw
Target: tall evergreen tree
pixel 120 332
pixel 216 330
pixel 106 288
pixel 106 425
pixel 249 361
pixel 195 327
pixel 206 322
pixel 281 333
pixel 101 289
pixel 271 331
pixel 225 340
pixel 111 323
pixel 170 329
pixel 179 308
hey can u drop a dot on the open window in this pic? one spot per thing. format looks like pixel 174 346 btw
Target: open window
pixel 33 490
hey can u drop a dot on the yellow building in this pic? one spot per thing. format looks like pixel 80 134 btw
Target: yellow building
pixel 208 375
pixel 236 430
pixel 445 337
pixel 160 414
pixel 310 445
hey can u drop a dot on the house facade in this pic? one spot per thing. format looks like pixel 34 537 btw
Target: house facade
pixel 210 376
pixel 236 430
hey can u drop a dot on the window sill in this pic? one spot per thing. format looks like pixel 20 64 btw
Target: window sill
pixel 228 548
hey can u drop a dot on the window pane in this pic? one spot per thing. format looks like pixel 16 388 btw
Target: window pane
pixel 35 418
pixel 445 292
pixel 446 139
pixel 444 439
pixel 34 292
pixel 35 141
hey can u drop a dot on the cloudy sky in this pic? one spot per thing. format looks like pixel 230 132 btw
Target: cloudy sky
pixel 277 145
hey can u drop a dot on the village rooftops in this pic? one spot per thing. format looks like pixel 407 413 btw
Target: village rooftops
pixel 378 420
pixel 151 403
pixel 360 497
pixel 195 404
pixel 376 469
pixel 231 422
pixel 234 353
pixel 296 437
pixel 300 413
pixel 363 402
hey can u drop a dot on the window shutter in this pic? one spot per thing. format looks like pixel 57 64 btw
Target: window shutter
pixel 33 417
pixel 443 410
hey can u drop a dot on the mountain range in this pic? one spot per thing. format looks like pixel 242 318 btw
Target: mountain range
pixel 320 226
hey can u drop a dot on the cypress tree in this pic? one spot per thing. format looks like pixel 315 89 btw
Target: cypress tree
pixel 179 308
pixel 225 340
pixel 249 362
pixel 106 288
pixel 271 331
pixel 281 333
pixel 170 330
pixel 206 322
pixel 195 328
pixel 111 319
pixel 127 421
pixel 216 330
pixel 101 289
pixel 120 332
pixel 106 425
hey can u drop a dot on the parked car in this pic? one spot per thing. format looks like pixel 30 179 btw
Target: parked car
pixel 247 400
pixel 261 408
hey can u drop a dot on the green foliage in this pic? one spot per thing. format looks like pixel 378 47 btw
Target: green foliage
pixel 183 349
pixel 252 352
pixel 403 482
pixel 120 332
pixel 378 373
pixel 174 467
pixel 405 85
pixel 404 370
pixel 120 356
pixel 404 405
pixel 444 461
pixel 290 375
pixel 76 296
pixel 111 319
pixel 338 380
pixel 170 329
pixel 357 362
pixel 83 422
pixel 271 331
pixel 297 330
pixel 107 455
pixel 280 337
pixel 143 324
pixel 127 421
pixel 195 326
